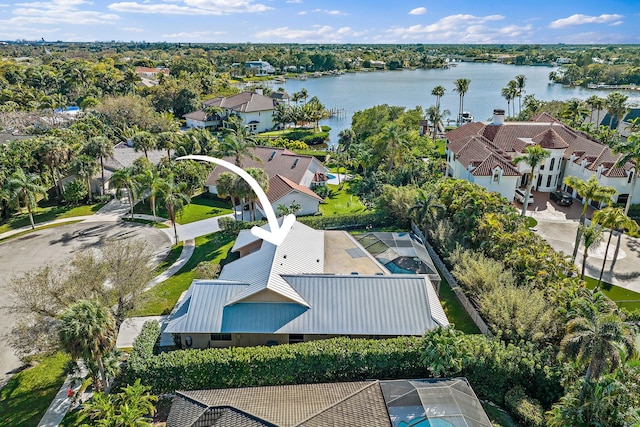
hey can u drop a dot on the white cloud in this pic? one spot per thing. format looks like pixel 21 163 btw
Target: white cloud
pixel 319 33
pixel 133 29
pixel 302 12
pixel 418 11
pixel 329 12
pixel 57 12
pixel 193 35
pixel 192 7
pixel 294 1
pixel 448 23
pixel 579 19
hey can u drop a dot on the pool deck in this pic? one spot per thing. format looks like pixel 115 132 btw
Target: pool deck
pixel 343 255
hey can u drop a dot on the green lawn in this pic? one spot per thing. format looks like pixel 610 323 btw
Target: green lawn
pixel 498 417
pixel 146 222
pixel 162 298
pixel 622 297
pixel 28 394
pixel 455 311
pixel 201 207
pixel 341 202
pixel 43 214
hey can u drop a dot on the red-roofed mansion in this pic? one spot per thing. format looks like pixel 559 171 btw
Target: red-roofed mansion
pixel 483 152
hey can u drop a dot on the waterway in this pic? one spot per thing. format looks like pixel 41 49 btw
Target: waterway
pixel 354 92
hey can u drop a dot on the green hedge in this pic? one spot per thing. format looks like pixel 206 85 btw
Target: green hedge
pixel 338 359
pixel 356 220
pixel 527 410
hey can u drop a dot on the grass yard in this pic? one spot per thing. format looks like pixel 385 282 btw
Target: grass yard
pixel 621 296
pixel 28 394
pixel 146 222
pixel 162 298
pixel 341 202
pixel 498 417
pixel 51 213
pixel 455 311
pixel 202 206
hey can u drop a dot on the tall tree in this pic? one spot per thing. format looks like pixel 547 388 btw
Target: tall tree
pixel 226 186
pixel 597 336
pixel 616 103
pixel 508 93
pixel 263 180
pixel 53 151
pixel 435 116
pixel 589 190
pixel 174 200
pixel 22 186
pixel 615 220
pixel 238 142
pixel 125 182
pixel 392 142
pixel 101 148
pixel 152 184
pixel 533 157
pixel 144 141
pixel 438 92
pixel 426 210
pixel 520 83
pixel 88 330
pixel 85 167
pixel 630 150
pixel 596 103
pixel 167 141
pixel 591 236
pixel 461 86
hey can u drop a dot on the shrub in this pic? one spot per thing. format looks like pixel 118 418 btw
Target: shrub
pixel 322 190
pixel 338 359
pixel 75 191
pixel 527 410
pixel 350 221
pixel 231 226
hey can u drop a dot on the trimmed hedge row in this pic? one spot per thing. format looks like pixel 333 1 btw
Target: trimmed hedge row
pixel 356 220
pixel 339 359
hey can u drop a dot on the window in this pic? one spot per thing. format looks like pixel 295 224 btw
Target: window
pixel 553 163
pixel 296 338
pixel 220 337
pixel 188 341
pixel 496 175
pixel 549 181
pixel 630 178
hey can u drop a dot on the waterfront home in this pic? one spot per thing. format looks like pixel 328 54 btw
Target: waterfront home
pixel 483 153
pixel 314 285
pixel 384 403
pixel 261 68
pixel 291 177
pixel 253 108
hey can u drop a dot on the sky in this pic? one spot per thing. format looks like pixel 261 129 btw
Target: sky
pixel 327 21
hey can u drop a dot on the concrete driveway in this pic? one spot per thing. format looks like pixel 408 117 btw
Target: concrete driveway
pixel 54 246
pixel 558 226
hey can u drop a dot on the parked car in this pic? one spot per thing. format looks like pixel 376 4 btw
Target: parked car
pixel 562 198
pixel 519 196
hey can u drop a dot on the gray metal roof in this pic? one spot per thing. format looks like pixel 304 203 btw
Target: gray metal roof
pixel 340 305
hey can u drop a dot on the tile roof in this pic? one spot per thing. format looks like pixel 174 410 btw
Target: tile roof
pixel 280 186
pixel 295 405
pixel 550 139
pixel 482 155
pixel 124 156
pixel 274 161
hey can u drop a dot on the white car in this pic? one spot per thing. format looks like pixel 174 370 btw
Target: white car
pixel 519 196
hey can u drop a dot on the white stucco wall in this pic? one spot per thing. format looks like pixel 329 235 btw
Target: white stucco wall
pixel 308 205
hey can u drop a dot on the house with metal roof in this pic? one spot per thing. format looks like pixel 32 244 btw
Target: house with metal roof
pixel 483 153
pixel 291 178
pixel 290 293
pixel 253 108
pixel 389 403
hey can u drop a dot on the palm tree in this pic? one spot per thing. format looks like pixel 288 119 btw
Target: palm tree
pixel 237 142
pixel 426 210
pixel 438 92
pixel 596 103
pixel 123 179
pixel 174 200
pixel 131 78
pixel 101 148
pixel 534 157
pixel 53 151
pixel 153 184
pixel 25 186
pixel 394 139
pixel 613 219
pixel 144 141
pixel 88 330
pixel 508 93
pixel 520 81
pixel 591 236
pixel 630 150
pixel 616 103
pixel 167 141
pixel 85 167
pixel 597 335
pixel 461 86
pixel 226 186
pixel 263 180
pixel 589 190
pixel 435 116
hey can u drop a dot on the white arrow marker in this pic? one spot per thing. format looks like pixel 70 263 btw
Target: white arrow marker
pixel 277 233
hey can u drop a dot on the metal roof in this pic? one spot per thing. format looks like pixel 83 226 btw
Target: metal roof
pixel 339 305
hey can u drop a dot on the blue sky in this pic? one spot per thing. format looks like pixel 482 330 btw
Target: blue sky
pixel 327 21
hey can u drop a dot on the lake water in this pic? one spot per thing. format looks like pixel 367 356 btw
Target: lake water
pixel 408 88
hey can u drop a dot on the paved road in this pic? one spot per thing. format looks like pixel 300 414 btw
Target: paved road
pixel 54 246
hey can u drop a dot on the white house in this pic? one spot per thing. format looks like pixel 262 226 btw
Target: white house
pixel 262 68
pixel 254 110
pixel 483 153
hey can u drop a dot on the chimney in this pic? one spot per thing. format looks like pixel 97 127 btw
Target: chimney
pixel 258 90
pixel 498 117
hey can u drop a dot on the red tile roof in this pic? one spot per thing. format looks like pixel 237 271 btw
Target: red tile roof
pixel 279 186
pixel 550 139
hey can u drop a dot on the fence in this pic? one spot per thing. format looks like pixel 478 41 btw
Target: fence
pixel 453 284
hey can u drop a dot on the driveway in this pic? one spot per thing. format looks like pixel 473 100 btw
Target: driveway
pixel 54 246
pixel 558 226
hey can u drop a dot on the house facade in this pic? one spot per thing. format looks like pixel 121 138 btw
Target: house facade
pixel 254 110
pixel 288 293
pixel 483 153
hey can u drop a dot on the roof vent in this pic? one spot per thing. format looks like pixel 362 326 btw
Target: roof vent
pixel 295 163
pixel 272 155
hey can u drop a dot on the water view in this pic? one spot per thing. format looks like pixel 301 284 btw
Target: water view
pixel 357 91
